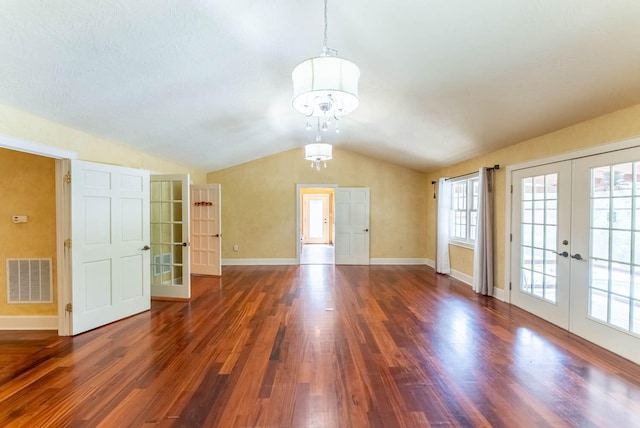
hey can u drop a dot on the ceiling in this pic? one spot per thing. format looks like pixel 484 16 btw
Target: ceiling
pixel 208 82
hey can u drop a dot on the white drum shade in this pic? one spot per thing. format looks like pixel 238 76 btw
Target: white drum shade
pixel 322 80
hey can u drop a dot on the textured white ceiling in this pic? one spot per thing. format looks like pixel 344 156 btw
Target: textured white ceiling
pixel 208 83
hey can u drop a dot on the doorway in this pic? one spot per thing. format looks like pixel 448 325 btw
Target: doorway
pixel 316 231
pixel 575 254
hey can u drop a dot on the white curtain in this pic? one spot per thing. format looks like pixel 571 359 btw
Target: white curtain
pixel 442 240
pixel 483 251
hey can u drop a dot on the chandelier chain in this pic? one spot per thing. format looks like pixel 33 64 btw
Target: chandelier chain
pixel 325 26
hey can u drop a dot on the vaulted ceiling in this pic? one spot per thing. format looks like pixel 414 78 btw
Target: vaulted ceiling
pixel 208 82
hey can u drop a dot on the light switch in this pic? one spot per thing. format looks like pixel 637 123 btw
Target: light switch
pixel 20 218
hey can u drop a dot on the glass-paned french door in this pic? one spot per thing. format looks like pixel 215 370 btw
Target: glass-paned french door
pixel 170 258
pixel 541 209
pixel 575 254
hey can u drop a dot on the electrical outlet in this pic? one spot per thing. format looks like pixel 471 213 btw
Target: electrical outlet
pixel 236 247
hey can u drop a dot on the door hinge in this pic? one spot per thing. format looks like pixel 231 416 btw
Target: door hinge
pixel 511 237
pixel 67 178
pixel 68 307
pixel 67 243
pixel 512 188
pixel 509 285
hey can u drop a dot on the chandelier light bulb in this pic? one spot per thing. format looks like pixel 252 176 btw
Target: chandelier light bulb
pixel 325 126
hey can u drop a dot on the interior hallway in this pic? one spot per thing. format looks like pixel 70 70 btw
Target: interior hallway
pixel 317 254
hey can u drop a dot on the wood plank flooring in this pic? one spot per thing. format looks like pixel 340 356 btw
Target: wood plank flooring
pixel 318 346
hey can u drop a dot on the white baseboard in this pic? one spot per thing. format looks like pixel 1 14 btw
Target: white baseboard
pixel 431 263
pixel 499 294
pixel 394 261
pixel 29 322
pixel 258 262
pixel 467 279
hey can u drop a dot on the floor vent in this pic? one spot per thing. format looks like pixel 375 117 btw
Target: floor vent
pixel 29 281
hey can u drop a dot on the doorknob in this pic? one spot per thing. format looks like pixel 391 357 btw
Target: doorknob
pixel 146 248
pixel 564 254
pixel 366 230
pixel 183 244
pixel 577 256
pixel 217 235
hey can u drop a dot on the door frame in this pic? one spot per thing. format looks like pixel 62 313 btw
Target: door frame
pixel 589 151
pixel 298 236
pixel 63 216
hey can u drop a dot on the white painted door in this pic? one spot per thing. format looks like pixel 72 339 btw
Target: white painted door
pixel 606 234
pixel 316 219
pixel 206 230
pixel 352 225
pixel 592 287
pixel 170 270
pixel 540 247
pixel 109 244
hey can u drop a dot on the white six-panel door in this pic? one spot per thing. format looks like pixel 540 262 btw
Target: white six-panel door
pixel 109 241
pixel 352 225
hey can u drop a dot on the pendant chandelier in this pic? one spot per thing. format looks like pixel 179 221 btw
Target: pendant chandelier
pixel 325 88
pixel 317 153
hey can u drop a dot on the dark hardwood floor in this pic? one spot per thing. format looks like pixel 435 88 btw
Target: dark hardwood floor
pixel 318 346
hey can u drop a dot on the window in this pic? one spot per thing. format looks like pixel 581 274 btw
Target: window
pixel 464 210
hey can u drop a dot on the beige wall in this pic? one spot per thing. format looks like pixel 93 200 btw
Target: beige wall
pixel 602 130
pixel 28 188
pixel 259 203
pixel 35 129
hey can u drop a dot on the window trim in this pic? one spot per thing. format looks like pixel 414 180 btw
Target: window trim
pixel 454 240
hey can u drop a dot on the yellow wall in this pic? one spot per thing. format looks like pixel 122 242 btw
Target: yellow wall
pixel 17 123
pixel 28 188
pixel 616 126
pixel 259 203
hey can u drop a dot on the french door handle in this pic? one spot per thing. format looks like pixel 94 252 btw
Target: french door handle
pixel 563 254
pixel 146 248
pixel 182 244
pixel 217 235
pixel 577 256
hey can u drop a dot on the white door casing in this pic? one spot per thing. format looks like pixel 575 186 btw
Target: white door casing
pixel 352 225
pixel 206 230
pixel 109 233
pixel 170 255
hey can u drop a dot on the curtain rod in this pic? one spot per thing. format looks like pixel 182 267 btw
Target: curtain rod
pixel 489 168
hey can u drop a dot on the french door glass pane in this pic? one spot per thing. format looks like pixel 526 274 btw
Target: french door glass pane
pixel 539 219
pixel 166 232
pixel 614 261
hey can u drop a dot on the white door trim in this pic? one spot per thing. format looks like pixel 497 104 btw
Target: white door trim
pixel 13 143
pixel 298 201
pixel 590 151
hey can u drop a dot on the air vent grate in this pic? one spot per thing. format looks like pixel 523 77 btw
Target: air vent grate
pixel 29 281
